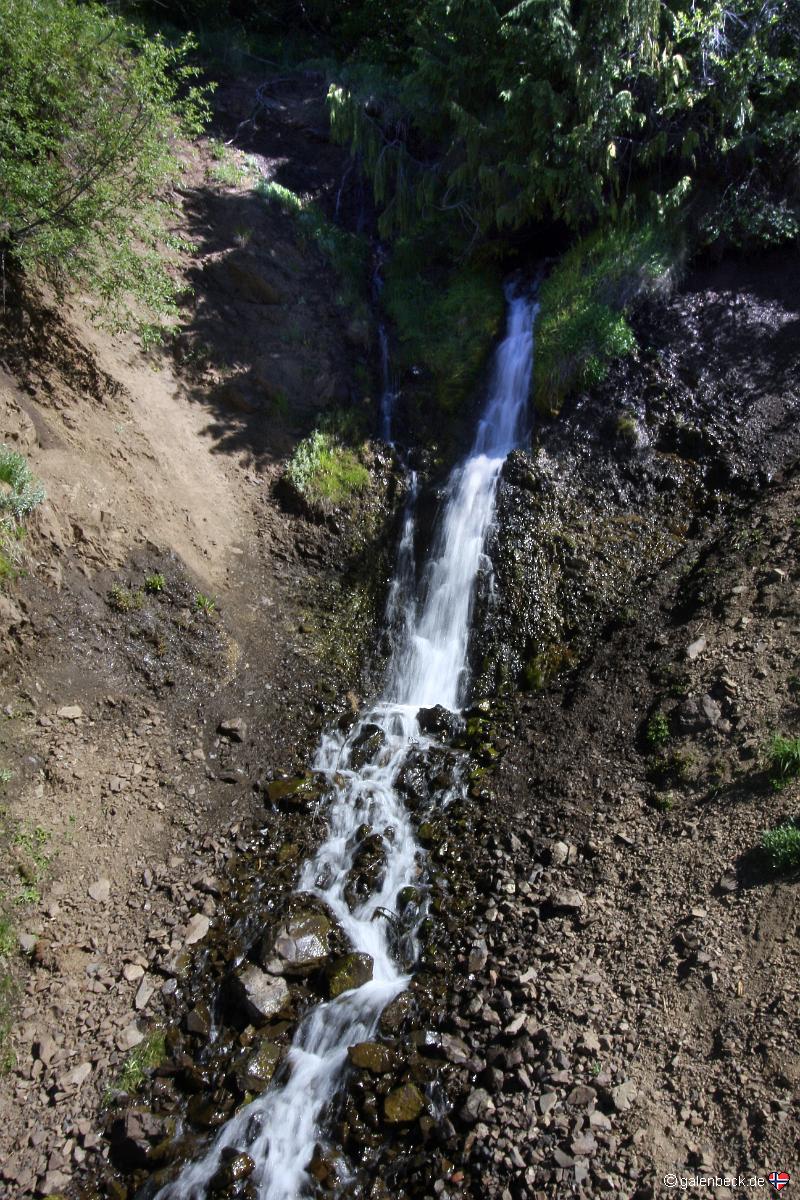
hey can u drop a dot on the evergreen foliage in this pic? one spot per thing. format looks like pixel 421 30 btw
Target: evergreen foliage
pixel 580 113
pixel 90 110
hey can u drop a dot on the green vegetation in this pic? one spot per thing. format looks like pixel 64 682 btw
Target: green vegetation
pixel 20 493
pixel 90 113
pixel 348 253
pixel 547 665
pixel 446 317
pixel 123 599
pixel 205 604
pixel 782 846
pixel 325 471
pixel 658 729
pixel 582 114
pixel 783 760
pixel 155 583
pixel 581 326
pixel 143 1058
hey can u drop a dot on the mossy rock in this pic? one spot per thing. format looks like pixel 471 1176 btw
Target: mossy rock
pixel 374 1057
pixel 257 1067
pixel 403 1104
pixel 298 793
pixel 349 971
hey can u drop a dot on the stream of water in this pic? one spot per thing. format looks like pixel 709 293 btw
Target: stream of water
pixel 429 622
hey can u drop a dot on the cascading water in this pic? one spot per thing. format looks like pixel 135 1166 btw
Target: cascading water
pixel 428 666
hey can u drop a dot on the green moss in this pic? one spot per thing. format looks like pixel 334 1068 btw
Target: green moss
pixel 582 326
pixel 446 319
pixel 543 668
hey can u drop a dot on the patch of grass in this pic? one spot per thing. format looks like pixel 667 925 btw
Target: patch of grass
pixel 783 760
pixel 658 729
pixel 143 1058
pixel 123 599
pixel 6 775
pixel 324 470
pixel 155 583
pixel 782 846
pixel 582 326
pixel 205 605
pixel 8 938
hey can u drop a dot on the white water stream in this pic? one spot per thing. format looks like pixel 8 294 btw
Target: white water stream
pixel 428 666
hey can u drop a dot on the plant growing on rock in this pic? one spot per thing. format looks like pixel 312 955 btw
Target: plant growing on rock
pixel 155 583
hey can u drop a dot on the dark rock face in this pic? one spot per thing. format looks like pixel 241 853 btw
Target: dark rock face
pixel 587 516
pixel 439 720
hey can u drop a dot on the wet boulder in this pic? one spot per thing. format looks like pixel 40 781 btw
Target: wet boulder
pixel 397 1013
pixel 235 1166
pixel 349 971
pixel 367 746
pixel 375 1057
pixel 257 1066
pixel 413 783
pixel 297 794
pixel 439 721
pixel 403 1104
pixel 303 942
pixel 259 995
pixel 366 875
pixel 328 1168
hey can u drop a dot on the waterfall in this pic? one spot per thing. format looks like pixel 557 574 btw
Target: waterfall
pixel 428 666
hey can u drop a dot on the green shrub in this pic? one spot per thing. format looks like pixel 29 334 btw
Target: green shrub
pixel 782 846
pixel 783 759
pixel 325 471
pixel 20 491
pixel 155 583
pixel 582 327
pixel 90 112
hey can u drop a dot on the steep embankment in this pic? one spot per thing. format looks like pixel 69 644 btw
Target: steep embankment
pixel 172 636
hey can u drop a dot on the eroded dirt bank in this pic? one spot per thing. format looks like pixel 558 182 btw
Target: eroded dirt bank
pixel 607 989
